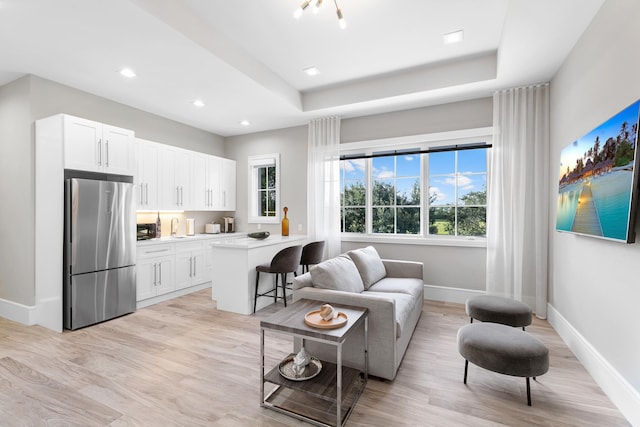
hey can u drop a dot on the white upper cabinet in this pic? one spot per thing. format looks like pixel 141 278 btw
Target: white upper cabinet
pixel 171 178
pixel 214 183
pixel 175 178
pixel 96 147
pixel 204 181
pixel 147 153
pixel 228 185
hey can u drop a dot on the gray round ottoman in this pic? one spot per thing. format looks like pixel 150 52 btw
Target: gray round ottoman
pixel 496 309
pixel 503 349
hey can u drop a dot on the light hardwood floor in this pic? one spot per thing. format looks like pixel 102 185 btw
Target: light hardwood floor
pixel 184 363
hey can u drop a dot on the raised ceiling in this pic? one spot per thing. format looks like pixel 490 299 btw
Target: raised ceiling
pixel 245 58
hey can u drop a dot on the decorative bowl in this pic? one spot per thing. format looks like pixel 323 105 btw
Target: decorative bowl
pixel 259 235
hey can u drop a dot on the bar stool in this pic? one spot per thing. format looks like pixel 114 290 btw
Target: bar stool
pixel 312 254
pixel 284 262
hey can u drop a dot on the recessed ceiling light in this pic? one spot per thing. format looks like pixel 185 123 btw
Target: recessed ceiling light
pixel 198 103
pixel 128 72
pixel 454 37
pixel 245 122
pixel 311 71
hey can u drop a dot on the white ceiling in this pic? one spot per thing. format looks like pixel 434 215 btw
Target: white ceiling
pixel 244 58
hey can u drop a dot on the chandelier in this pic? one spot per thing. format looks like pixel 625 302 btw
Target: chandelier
pixel 298 12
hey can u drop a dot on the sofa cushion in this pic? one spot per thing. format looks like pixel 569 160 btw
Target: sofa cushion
pixel 405 304
pixel 369 265
pixel 339 273
pixel 406 285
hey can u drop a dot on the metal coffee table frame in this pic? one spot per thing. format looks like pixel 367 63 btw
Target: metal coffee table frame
pixel 290 321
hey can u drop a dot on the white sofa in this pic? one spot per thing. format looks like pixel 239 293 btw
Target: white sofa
pixel 392 290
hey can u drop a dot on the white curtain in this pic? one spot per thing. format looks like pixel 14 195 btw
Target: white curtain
pixel 518 197
pixel 323 183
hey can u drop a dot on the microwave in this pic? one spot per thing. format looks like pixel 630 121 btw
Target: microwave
pixel 146 231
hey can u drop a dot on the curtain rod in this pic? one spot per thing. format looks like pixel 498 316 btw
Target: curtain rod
pixel 408 152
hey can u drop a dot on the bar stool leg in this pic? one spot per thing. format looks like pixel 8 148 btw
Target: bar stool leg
pixel 284 288
pixel 255 297
pixel 275 290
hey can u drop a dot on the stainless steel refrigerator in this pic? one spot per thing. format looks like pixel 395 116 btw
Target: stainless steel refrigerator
pixel 100 251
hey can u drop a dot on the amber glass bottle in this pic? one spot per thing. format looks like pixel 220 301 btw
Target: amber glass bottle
pixel 285 223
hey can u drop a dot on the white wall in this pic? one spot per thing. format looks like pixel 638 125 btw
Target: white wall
pixel 21 103
pixel 16 192
pixel 291 143
pixel 594 286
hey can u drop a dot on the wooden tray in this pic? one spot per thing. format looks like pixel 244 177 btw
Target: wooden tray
pixel 314 319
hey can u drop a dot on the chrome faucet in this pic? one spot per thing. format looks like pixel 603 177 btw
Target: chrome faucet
pixel 174 229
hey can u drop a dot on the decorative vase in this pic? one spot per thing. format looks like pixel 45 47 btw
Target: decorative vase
pixel 285 223
pixel 158 226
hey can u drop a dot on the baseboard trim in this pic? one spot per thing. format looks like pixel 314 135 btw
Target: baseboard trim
pixel 614 385
pixel 172 295
pixel 25 314
pixel 446 294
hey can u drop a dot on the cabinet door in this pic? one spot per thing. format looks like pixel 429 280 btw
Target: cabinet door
pixel 82 144
pixel 145 279
pixel 165 281
pixel 118 150
pixel 213 175
pixel 184 270
pixel 199 268
pixel 200 190
pixel 228 185
pixel 147 175
pixel 183 178
pixel 169 191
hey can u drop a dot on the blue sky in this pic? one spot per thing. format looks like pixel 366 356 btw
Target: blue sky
pixel 471 174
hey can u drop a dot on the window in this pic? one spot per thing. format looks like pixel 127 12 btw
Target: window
pixel 264 188
pixel 437 193
pixel 395 201
pixel 353 195
pixel 458 193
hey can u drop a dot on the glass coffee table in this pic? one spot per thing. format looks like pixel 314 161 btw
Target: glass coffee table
pixel 328 398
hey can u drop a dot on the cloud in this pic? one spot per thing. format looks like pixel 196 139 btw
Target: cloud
pixel 435 191
pixel 353 165
pixel 409 158
pixel 384 174
pixel 463 181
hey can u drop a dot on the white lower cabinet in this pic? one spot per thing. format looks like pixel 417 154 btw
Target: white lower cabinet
pixel 155 271
pixel 190 264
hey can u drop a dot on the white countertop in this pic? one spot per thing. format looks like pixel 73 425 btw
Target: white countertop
pixel 250 243
pixel 183 238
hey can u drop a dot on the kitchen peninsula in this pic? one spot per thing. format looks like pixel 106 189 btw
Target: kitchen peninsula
pixel 234 269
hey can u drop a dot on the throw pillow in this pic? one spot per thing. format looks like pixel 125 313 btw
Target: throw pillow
pixel 369 265
pixel 339 273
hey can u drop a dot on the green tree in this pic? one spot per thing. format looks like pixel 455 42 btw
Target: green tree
pixel 353 210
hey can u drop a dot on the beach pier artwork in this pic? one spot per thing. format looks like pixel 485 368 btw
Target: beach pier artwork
pixel 598 179
pixel 586 220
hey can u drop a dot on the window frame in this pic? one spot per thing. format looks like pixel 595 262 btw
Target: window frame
pixel 254 164
pixel 421 142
